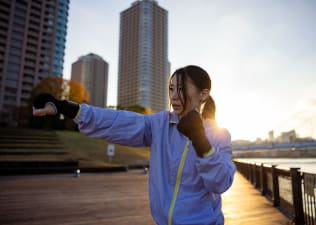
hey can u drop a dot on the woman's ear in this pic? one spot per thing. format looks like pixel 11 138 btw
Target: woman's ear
pixel 204 94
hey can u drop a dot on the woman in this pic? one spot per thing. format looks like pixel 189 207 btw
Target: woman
pixel 190 158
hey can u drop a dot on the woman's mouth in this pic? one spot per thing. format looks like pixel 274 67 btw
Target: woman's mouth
pixel 176 107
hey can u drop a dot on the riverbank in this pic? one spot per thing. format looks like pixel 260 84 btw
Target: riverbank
pixel 276 153
pixel 305 164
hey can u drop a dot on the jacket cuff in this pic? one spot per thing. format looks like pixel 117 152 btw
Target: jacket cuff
pixel 78 113
pixel 210 152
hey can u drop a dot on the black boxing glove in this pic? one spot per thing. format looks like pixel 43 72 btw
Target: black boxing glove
pixel 67 108
pixel 191 125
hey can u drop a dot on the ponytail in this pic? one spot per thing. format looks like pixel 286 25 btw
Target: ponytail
pixel 209 109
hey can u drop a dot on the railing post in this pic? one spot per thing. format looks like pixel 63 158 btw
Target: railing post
pixel 249 172
pixel 254 175
pixel 263 189
pixel 275 182
pixel 297 196
pixel 257 176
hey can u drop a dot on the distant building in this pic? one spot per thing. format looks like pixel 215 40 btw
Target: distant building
pixel 259 140
pixel 143 56
pixel 32 44
pixel 271 136
pixel 92 71
pixel 287 137
pixel 241 142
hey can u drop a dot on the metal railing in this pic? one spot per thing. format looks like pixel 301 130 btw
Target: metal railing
pixel 292 191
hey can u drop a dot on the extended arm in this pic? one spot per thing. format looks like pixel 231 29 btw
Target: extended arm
pixel 121 127
pixel 117 126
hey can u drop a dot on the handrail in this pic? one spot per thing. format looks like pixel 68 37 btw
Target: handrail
pixel 292 191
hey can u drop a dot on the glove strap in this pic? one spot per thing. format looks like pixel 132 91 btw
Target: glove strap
pixel 210 152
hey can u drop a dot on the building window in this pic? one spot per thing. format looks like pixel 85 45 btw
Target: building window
pixel 12 75
pixel 11 83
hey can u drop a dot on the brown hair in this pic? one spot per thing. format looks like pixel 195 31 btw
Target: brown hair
pixel 201 80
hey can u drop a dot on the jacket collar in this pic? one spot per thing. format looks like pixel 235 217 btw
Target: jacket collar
pixel 173 118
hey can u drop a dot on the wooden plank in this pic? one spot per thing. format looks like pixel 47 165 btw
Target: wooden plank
pixel 112 198
pixel 119 198
pixel 244 205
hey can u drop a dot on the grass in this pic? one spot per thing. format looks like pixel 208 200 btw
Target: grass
pixel 93 152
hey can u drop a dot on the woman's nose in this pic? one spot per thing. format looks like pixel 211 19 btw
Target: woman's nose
pixel 174 95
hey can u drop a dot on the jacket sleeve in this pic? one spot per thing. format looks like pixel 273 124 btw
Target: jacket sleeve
pixel 218 169
pixel 117 126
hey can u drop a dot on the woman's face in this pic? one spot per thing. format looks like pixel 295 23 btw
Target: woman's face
pixel 194 96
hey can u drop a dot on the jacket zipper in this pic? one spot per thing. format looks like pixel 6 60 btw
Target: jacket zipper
pixel 179 175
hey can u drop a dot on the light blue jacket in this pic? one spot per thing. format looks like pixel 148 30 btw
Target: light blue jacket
pixel 183 188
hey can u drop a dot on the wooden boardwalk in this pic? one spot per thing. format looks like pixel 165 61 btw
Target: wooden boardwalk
pixel 117 198
pixel 244 205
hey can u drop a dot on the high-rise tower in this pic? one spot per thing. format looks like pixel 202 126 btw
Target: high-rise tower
pixel 143 56
pixel 32 44
pixel 92 71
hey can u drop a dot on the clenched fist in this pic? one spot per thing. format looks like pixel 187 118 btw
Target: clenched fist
pixel 46 104
pixel 191 125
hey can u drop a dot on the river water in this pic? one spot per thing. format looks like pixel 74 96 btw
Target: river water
pixel 306 164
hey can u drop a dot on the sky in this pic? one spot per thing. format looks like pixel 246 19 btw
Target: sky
pixel 260 55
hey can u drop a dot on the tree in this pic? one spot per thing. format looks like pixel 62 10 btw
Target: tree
pixel 55 86
pixel 62 89
pixel 77 92
pixel 148 111
pixel 134 108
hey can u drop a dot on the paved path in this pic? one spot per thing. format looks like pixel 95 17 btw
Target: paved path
pixel 118 198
